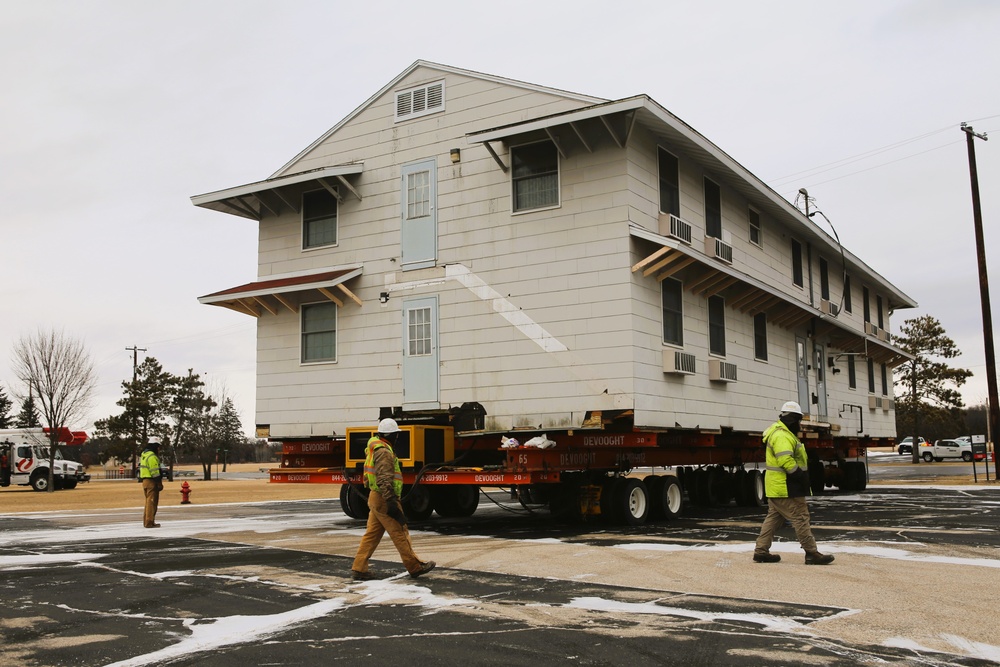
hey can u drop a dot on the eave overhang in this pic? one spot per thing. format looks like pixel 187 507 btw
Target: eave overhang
pixel 287 292
pixel 272 196
pixel 577 130
pixel 705 276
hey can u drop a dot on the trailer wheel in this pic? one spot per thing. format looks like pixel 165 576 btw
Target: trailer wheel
pixel 817 477
pixel 565 500
pixel 721 485
pixel 669 501
pixel 855 476
pixel 417 502
pixel 631 501
pixel 354 502
pixel 40 480
pixel 740 487
pixel 460 500
pixel 755 494
pixel 654 485
pixel 928 457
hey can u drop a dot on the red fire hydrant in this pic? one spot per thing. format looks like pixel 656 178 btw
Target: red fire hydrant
pixel 185 492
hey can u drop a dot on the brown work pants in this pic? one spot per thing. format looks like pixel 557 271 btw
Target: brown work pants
pixel 378 524
pixel 151 488
pixel 796 512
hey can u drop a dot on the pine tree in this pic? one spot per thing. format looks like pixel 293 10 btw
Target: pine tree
pixel 5 405
pixel 930 395
pixel 28 417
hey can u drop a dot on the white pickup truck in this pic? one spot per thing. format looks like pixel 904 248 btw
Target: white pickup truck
pixel 946 449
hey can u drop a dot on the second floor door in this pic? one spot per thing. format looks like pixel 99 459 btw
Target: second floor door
pixel 419 215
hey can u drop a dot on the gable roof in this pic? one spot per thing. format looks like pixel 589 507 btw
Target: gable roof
pixel 446 69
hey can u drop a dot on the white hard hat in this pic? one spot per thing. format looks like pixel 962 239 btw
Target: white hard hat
pixel 791 406
pixel 154 441
pixel 387 426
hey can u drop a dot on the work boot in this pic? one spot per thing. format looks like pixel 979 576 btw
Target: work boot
pixel 427 567
pixel 766 557
pixel 361 576
pixel 816 558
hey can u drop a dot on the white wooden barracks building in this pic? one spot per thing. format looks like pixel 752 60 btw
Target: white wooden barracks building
pixel 465 238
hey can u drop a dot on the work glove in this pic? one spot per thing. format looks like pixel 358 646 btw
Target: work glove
pixel 394 510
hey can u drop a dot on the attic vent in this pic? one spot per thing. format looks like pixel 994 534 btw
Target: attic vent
pixel 420 101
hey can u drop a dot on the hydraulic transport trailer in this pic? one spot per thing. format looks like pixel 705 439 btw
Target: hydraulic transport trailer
pixel 629 476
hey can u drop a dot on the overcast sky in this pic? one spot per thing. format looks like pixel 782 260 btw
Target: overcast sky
pixel 115 113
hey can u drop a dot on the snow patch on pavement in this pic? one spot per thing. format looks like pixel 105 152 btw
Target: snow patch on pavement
pixel 828 547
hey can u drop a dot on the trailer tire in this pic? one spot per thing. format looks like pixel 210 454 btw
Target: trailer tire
pixel 855 476
pixel 668 498
pixel 459 500
pixel 353 502
pixel 740 487
pixel 817 477
pixel 654 484
pixel 631 501
pixel 755 493
pixel 40 480
pixel 564 503
pixel 721 485
pixel 416 503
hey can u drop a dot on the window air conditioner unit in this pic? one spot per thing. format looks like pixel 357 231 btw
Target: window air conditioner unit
pixel 883 335
pixel 888 404
pixel 871 329
pixel 718 249
pixel 874 402
pixel 675 361
pixel 828 308
pixel 721 371
pixel 674 227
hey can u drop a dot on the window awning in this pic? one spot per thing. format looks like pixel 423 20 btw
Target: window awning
pixel 706 276
pixel 271 197
pixel 288 291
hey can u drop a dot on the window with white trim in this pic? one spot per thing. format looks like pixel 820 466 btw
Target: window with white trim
pixel 717 325
pixel 319 219
pixel 713 209
pixel 760 336
pixel 319 332
pixel 673 313
pixel 534 176
pixel 420 101
pixel 418 331
pixel 753 219
pixel 669 178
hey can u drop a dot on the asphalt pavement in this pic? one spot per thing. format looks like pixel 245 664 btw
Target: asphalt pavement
pixel 269 584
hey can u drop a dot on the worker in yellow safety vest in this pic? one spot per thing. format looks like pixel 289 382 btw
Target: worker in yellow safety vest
pixel 786 483
pixel 152 481
pixel 384 481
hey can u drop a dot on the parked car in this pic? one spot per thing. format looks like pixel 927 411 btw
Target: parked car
pixel 906 445
pixel 947 449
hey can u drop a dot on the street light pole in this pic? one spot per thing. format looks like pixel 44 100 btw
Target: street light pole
pixel 984 290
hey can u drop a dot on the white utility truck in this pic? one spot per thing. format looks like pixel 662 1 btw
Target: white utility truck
pixel 24 459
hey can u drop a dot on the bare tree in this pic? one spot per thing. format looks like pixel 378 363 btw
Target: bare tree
pixel 59 374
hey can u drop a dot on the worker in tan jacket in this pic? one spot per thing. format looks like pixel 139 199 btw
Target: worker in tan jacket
pixel 384 480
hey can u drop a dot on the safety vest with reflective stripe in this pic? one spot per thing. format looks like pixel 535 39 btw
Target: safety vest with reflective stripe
pixel 149 465
pixel 371 480
pixel 784 454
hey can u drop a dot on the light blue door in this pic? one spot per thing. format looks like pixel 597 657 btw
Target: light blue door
pixel 802 374
pixel 419 215
pixel 420 353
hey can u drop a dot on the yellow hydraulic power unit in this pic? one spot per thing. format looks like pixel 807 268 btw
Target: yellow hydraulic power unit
pixel 416 446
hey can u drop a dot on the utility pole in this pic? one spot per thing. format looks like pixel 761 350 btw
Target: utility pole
pixel 135 350
pixel 984 290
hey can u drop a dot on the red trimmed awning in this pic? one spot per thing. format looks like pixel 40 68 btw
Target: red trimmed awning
pixel 286 292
